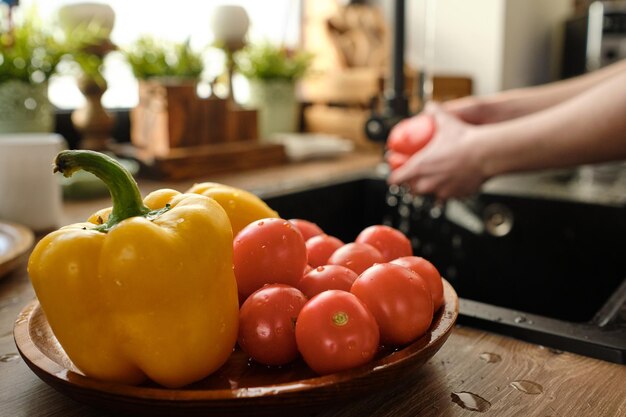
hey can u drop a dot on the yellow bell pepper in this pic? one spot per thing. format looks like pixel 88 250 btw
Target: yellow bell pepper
pixel 242 206
pixel 144 290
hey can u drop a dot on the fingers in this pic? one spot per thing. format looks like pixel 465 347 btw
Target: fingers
pixel 409 170
pixel 396 159
pixel 423 186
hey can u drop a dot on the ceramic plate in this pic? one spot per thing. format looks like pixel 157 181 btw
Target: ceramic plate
pixel 240 387
pixel 15 241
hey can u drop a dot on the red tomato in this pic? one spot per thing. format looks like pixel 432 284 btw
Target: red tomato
pixel 356 256
pixel 411 135
pixel 396 159
pixel 391 242
pixel 327 277
pixel 429 272
pixel 320 247
pixel 335 332
pixel 266 324
pixel 307 228
pixel 399 299
pixel 268 251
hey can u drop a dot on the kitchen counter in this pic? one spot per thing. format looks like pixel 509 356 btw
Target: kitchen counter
pixel 512 377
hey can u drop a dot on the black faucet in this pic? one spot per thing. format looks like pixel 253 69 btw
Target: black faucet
pixel 396 104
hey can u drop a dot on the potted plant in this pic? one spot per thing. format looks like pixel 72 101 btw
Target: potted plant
pixel 272 73
pixel 152 59
pixel 30 52
pixel 168 111
pixel 29 55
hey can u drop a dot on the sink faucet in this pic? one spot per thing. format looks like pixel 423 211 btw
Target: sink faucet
pixel 396 106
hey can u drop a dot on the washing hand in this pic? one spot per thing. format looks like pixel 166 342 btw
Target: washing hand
pixel 442 161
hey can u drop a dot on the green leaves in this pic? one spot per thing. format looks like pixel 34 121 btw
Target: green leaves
pixel 151 58
pixel 268 62
pixel 28 52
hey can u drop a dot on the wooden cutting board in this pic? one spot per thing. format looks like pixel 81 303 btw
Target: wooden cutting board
pixel 197 161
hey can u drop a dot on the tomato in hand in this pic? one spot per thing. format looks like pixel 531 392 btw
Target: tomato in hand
pixel 429 272
pixel 412 134
pixel 266 324
pixel 307 228
pixel 327 277
pixel 391 242
pixel 320 247
pixel 396 159
pixel 356 256
pixel 335 332
pixel 399 299
pixel 268 251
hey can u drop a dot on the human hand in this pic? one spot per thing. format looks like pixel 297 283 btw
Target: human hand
pixel 407 137
pixel 448 165
pixel 470 109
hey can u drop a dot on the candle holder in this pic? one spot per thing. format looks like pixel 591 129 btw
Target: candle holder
pixel 92 121
pixel 230 25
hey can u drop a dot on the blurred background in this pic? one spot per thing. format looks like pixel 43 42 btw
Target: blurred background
pixel 499 44
pixel 451 48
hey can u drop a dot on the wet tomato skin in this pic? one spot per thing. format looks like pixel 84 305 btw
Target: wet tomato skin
pixel 266 324
pixel 412 134
pixel 268 251
pixel 399 299
pixel 307 228
pixel 327 277
pixel 429 272
pixel 390 242
pixel 319 248
pixel 335 331
pixel 356 256
pixel 396 159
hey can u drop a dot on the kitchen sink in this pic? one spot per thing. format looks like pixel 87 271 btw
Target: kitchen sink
pixel 547 271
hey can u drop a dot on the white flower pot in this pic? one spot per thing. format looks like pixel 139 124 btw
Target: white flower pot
pixel 276 103
pixel 25 107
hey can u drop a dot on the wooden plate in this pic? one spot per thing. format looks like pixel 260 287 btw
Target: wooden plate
pixel 15 241
pixel 239 388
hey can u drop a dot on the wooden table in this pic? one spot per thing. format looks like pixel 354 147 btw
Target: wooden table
pixel 471 361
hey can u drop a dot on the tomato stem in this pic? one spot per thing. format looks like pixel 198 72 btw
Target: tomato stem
pixel 340 318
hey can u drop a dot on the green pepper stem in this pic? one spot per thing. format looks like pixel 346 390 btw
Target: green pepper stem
pixel 122 186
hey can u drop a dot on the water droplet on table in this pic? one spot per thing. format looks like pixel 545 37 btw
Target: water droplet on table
pixel 527 387
pixel 490 357
pixel 470 401
pixel 10 357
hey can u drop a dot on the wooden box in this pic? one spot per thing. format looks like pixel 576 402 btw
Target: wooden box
pixel 177 135
pixel 171 115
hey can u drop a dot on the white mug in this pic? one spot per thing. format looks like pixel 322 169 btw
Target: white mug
pixel 30 194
